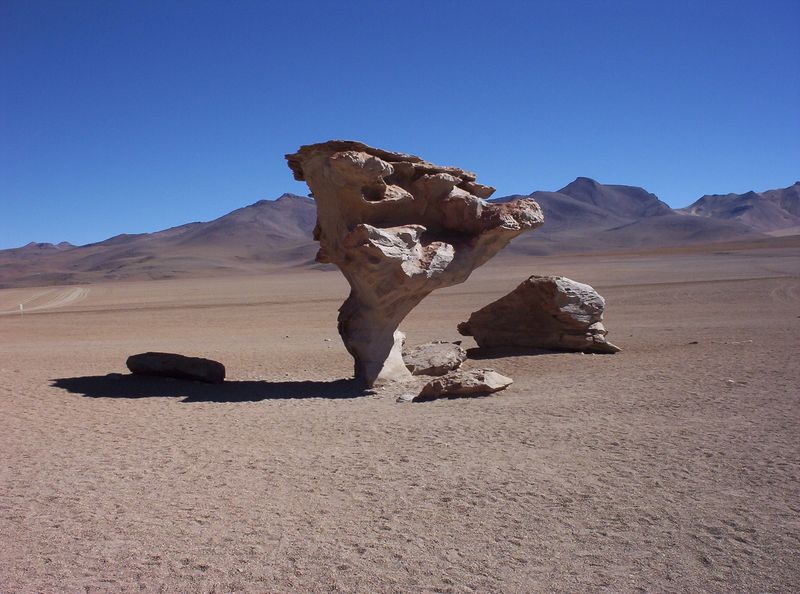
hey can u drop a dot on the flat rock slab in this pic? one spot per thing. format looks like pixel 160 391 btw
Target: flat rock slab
pixel 177 366
pixel 475 382
pixel 546 312
pixel 434 358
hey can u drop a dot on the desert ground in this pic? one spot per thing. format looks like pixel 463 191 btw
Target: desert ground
pixel 673 466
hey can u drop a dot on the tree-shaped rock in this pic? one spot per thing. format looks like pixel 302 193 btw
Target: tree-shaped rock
pixel 398 227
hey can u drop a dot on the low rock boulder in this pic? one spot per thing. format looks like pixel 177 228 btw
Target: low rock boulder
pixel 177 366
pixel 546 312
pixel 434 358
pixel 474 382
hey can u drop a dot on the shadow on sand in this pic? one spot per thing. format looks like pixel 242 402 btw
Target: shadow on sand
pixel 137 386
pixel 480 354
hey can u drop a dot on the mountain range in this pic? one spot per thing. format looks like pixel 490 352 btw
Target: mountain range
pixel 256 238
pixel 775 211
pixel 584 216
pixel 589 216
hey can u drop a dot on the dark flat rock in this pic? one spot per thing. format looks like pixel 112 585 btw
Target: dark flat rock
pixel 177 366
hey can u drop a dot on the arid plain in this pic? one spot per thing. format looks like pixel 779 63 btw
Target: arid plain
pixel 672 466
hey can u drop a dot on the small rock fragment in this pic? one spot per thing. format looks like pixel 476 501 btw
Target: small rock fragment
pixel 176 366
pixel 474 382
pixel 434 358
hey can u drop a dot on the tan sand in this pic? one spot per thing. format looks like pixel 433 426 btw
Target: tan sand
pixel 672 466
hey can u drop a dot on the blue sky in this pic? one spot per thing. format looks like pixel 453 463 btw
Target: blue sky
pixel 135 116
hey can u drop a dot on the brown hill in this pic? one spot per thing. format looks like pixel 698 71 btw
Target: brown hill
pixel 770 211
pixel 264 235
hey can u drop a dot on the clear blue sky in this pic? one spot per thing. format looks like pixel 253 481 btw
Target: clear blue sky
pixel 123 116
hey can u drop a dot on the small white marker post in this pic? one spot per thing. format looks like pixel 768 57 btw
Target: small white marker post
pixel 21 310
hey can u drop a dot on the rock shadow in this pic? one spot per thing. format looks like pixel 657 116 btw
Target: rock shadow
pixel 476 396
pixel 477 353
pixel 139 386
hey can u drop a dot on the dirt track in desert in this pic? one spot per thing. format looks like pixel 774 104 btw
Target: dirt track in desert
pixel 673 466
pixel 39 300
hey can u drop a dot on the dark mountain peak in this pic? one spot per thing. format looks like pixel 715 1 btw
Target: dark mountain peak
pixel 730 196
pixel 264 226
pixel 629 202
pixel 581 183
pixel 284 199
pixel 34 245
pixel 289 197
pixel 767 211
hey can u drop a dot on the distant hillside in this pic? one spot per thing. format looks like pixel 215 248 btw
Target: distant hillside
pixel 264 235
pixel 589 216
pixel 583 216
pixel 33 248
pixel 769 212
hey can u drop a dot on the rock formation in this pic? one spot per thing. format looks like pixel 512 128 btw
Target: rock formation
pixel 398 228
pixel 177 366
pixel 474 382
pixel 434 358
pixel 547 312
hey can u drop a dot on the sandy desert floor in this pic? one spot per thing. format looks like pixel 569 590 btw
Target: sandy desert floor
pixel 673 466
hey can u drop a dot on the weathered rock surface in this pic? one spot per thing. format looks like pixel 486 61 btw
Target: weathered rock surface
pixel 434 358
pixel 398 228
pixel 547 312
pixel 474 382
pixel 177 366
